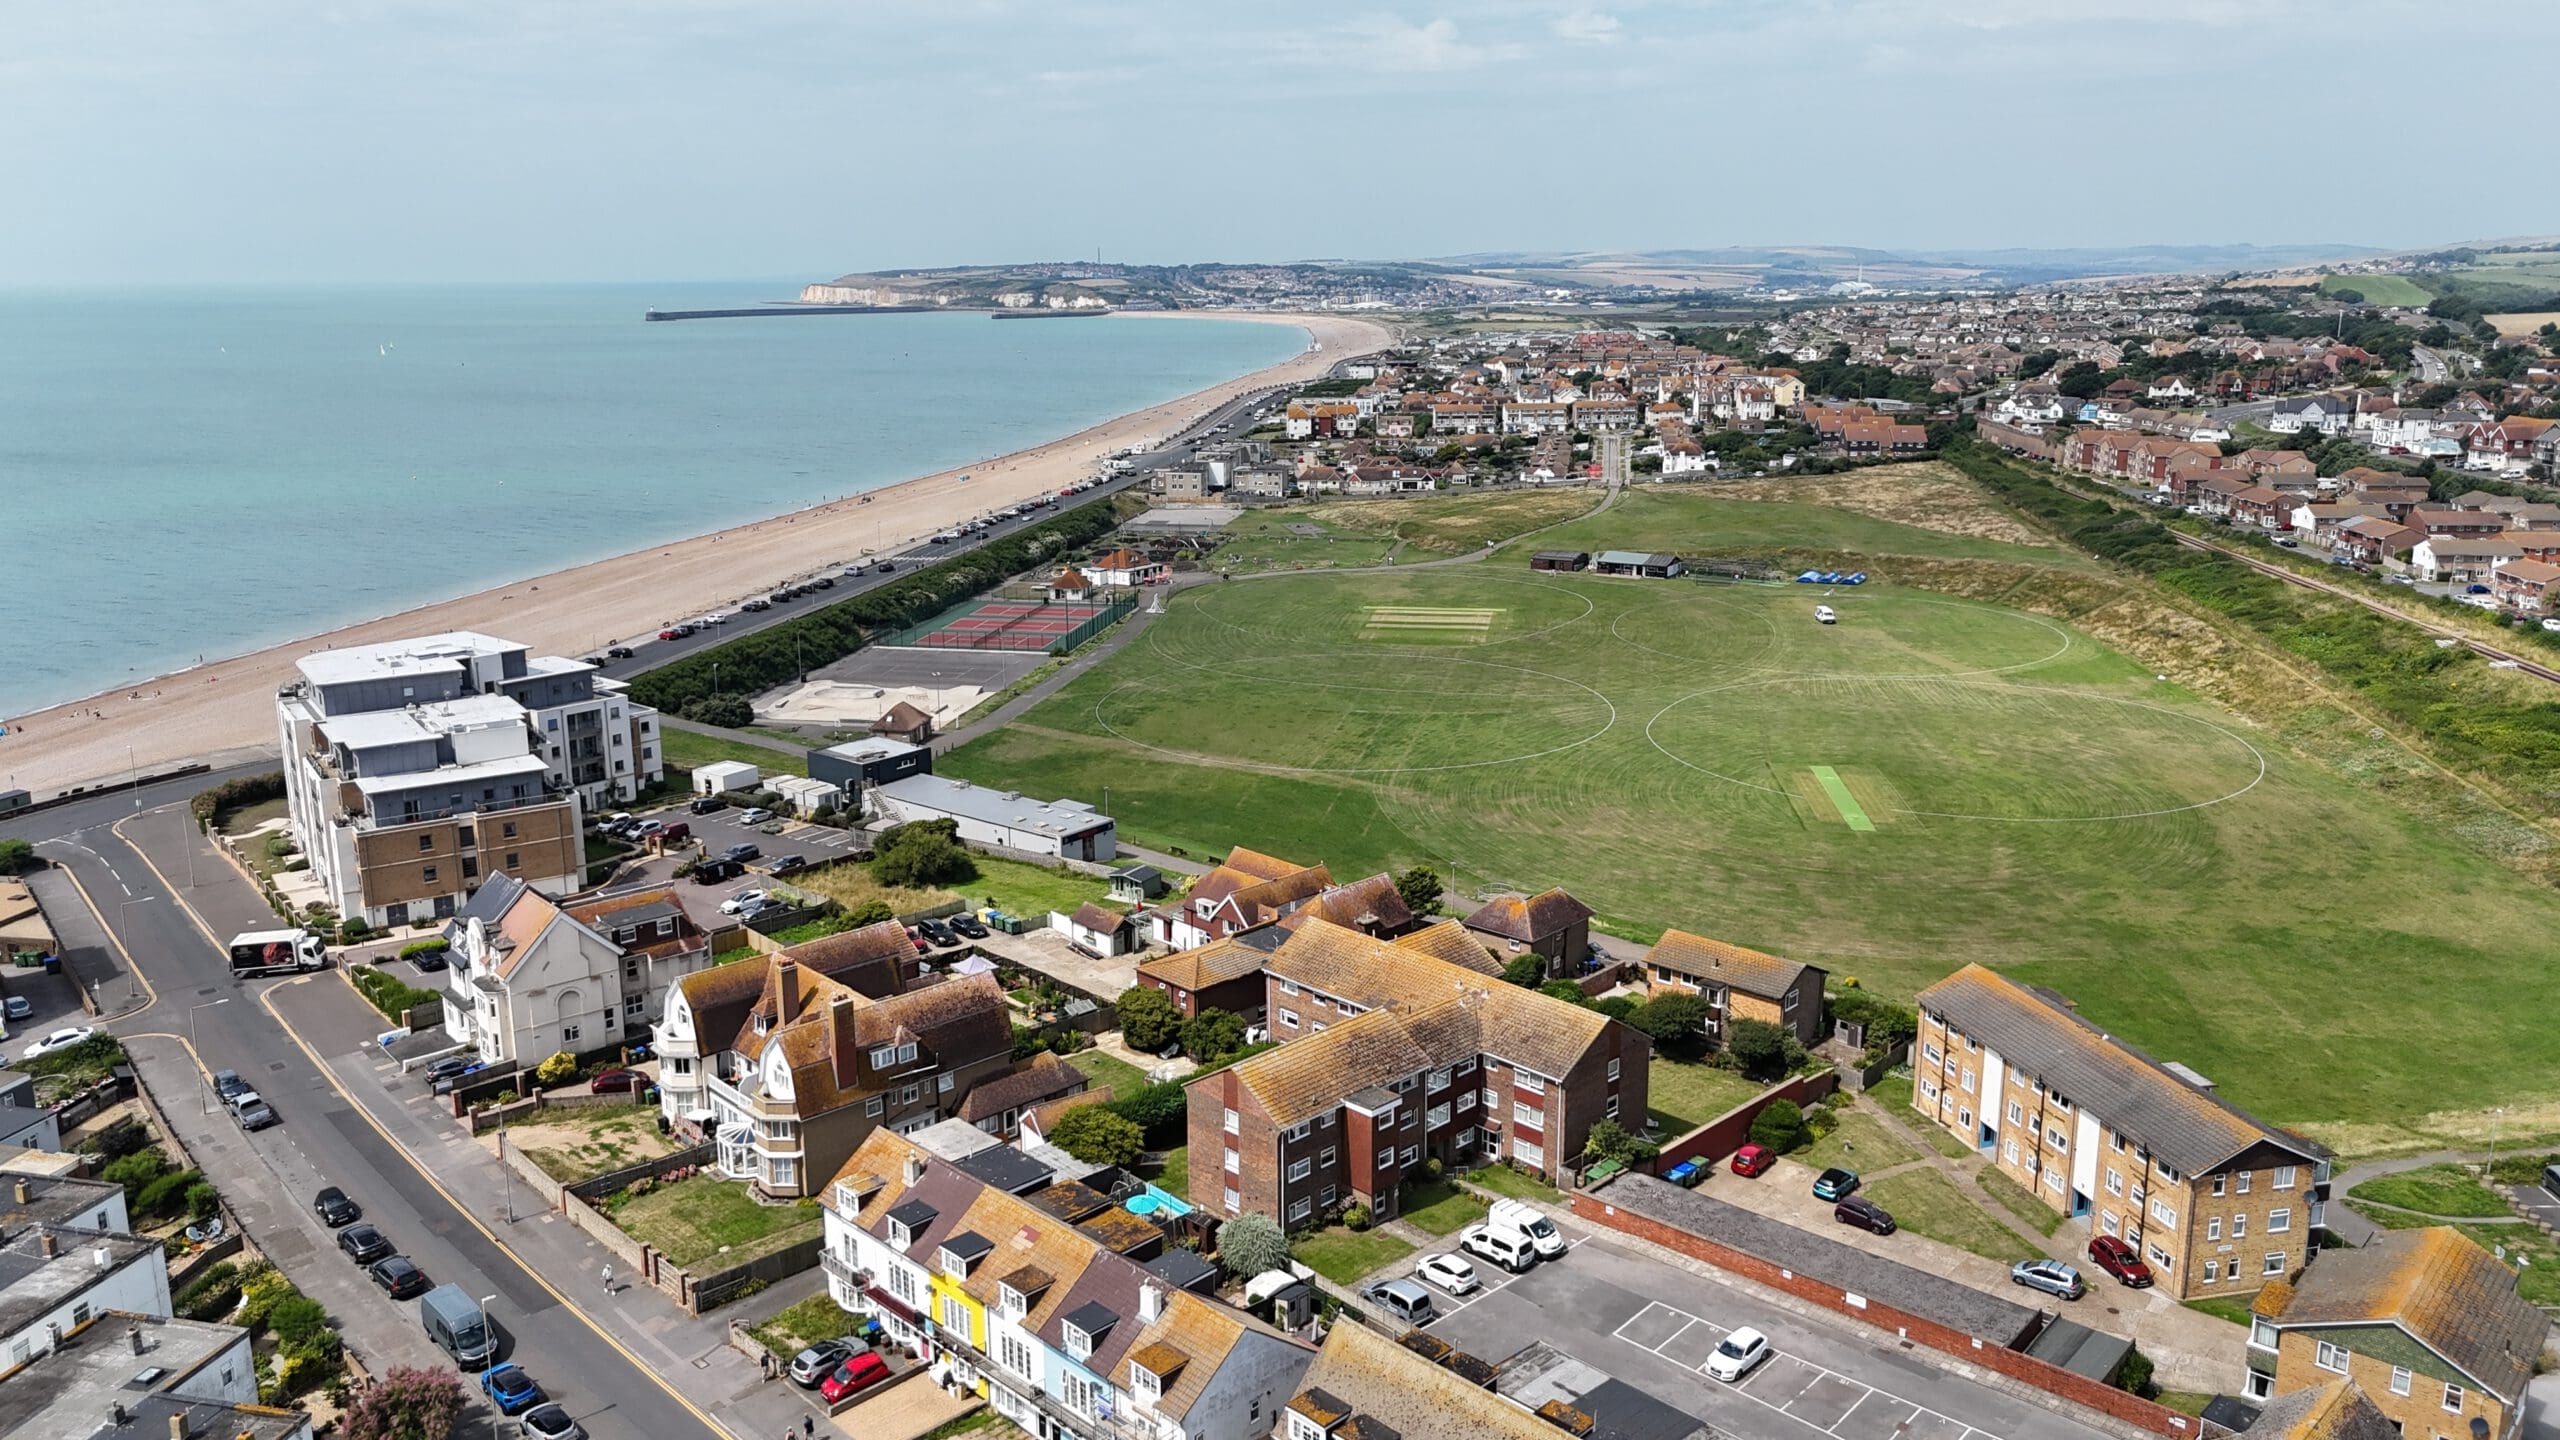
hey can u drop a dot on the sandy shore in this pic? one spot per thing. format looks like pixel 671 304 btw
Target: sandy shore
pixel 225 710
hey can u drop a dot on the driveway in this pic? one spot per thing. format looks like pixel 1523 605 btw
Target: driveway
pixel 1596 1308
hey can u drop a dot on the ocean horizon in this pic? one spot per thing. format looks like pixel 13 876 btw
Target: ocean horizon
pixel 189 473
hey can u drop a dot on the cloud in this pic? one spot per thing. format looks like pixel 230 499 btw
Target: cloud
pixel 1393 43
pixel 1587 27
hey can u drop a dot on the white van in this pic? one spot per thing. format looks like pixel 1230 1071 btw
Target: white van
pixel 1523 1217
pixel 1825 614
pixel 1500 1244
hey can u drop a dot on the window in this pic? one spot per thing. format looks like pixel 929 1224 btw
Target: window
pixel 1528 1154
pixel 1144 1385
pixel 1928 1090
pixel 2054 1137
pixel 2284 1177
pixel 515 860
pixel 1231 1201
pixel 428 874
pixel 1013 1354
pixel 1289 1019
pixel 2453 1398
pixel 2108 1221
pixel 2399 1379
pixel 1288 987
pixel 1412 1155
pixel 2213 1228
pixel 1326 1159
pixel 1491 1100
pixel 1299 1209
pixel 2161 1212
pixel 2160 1256
pixel 1612 1111
pixel 507 830
pixel 2115 1182
pixel 2239 1226
pixel 2218 1182
pixel 2115 1142
pixel 1232 1123
pixel 1300 1169
pixel 2016 1115
pixel 2053 1179
pixel 1234 1162
pixel 1299 1131
pixel 1967 1083
pixel 2279 1221
pixel 1466 1067
pixel 2263 1336
pixel 878 1104
pixel 1466 1101
pixel 1528 1115
pixel 2274 1264
pixel 2212 1271
pixel 2009 1151
pixel 1965 1118
pixel 1326 1199
pixel 1302 1428
pixel 907 1095
pixel 426 843
pixel 2332 1358
pixel 2245 1177
pixel 1613 1069
pixel 568 1033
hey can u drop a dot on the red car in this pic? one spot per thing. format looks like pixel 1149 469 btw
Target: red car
pixel 859 1373
pixel 1752 1159
pixel 612 1082
pixel 2117 1258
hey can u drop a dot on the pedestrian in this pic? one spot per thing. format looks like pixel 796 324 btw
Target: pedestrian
pixel 808 1427
pixel 608 1277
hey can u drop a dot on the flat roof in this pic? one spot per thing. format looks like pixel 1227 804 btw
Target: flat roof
pixel 417 655
pixel 54 1200
pixel 367 729
pixel 33 1284
pixel 71 1390
pixel 1009 808
pixel 877 747
pixel 512 765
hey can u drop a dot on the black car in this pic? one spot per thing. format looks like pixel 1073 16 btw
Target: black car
pixel 451 1066
pixel 938 933
pixel 785 864
pixel 887 565
pixel 707 804
pixel 742 853
pixel 429 960
pixel 363 1243
pixel 620 652
pixel 968 925
pixel 227 1083
pixel 715 872
pixel 756 604
pixel 823 582
pixel 335 1209
pixel 399 1277
pixel 595 660
pixel 778 597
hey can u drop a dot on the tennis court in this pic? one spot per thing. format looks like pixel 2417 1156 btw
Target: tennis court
pixel 1026 625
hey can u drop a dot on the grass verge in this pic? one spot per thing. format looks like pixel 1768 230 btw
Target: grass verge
pixel 1440 1207
pixel 1511 1184
pixel 2448 1190
pixel 1343 1256
pixel 1927 1203
pixel 2014 1198
pixel 687 750
pixel 2234 1308
pixel 1682 1095
pixel 788 1332
pixel 1893 1094
pixel 705 1216
pixel 1110 1072
pixel 1859 1142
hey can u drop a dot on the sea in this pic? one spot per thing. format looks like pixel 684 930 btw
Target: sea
pixel 196 474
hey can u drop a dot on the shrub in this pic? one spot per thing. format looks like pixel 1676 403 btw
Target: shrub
pixel 212 807
pixel 1097 1137
pixel 1419 888
pixel 211 1295
pixel 416 948
pixel 296 1319
pixel 311 1365
pixel 16 856
pixel 1212 1034
pixel 262 1289
pixel 1566 991
pixel 1610 1140
pixel 135 1171
pixel 919 856
pixel 1154 1107
pixel 1357 1217
pixel 354 930
pixel 869 912
pixel 1765 1051
pixel 1821 1120
pixel 1250 1244
pixel 164 1198
pixel 1525 971
pixel 407 1403
pixel 1148 1019
pixel 202 1200
pixel 556 1070
pixel 125 1137
pixel 2135 1377
pixel 728 712
pixel 1676 1023
pixel 388 994
pixel 1779 1126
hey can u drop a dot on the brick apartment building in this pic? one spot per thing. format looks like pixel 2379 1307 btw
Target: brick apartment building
pixel 1396 1053
pixel 2218 1201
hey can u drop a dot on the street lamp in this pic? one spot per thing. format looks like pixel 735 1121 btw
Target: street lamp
pixel 192 1045
pixel 506 1172
pixel 2494 1115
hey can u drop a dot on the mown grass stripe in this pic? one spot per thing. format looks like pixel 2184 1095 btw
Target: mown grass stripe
pixel 1848 805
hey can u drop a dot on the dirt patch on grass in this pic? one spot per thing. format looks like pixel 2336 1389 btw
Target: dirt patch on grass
pixel 851 885
pixel 584 1143
pixel 1926 495
pixel 1457 524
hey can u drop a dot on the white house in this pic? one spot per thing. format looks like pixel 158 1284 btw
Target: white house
pixel 807 798
pixel 2327 414
pixel 61 1277
pixel 530 979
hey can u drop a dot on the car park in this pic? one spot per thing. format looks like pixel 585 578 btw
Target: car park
pixel 1752 1160
pixel 548 1422
pixel 742 853
pixel 399 1277
pixel 363 1243
pixel 617 1081
pixel 1403 1301
pixel 1737 1355
pixel 755 815
pixel 1835 1184
pixel 713 872
pixel 2117 1258
pixel 1449 1273
pixel 510 1388
pixel 1500 1244
pixel 62 1039
pixel 785 864
pixel 742 902
pixel 334 1208
pixel 938 933
pixel 707 804
pixel 819 1361
pixel 858 1373
pixel 2050 1276
pixel 1864 1213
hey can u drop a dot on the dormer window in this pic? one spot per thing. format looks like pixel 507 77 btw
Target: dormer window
pixel 898 1236
pixel 1011 1303
pixel 1079 1344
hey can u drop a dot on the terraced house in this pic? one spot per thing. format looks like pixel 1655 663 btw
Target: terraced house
pixel 787 1070
pixel 1063 1309
pixel 2218 1201
pixel 1395 1053
pixel 2426 1323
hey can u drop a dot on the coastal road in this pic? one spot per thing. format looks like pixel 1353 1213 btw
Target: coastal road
pixel 196 1018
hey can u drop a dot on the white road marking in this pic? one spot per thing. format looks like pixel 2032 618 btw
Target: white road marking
pixel 1741 1387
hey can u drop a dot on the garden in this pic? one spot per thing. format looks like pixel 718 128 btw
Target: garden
pixel 700 1216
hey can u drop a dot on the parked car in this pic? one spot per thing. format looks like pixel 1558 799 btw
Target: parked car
pixel 968 925
pixel 252 1112
pixel 2288 542
pixel 548 1421
pixel 1402 1300
pixel 18 1007
pixel 754 815
pixel 743 902
pixel 758 604
pixel 1825 615
pixel 1737 1355
pixel 62 1039
pixel 938 933
pixel 227 1083
pixel 1500 1244
pixel 743 853
pixel 859 1373
pixel 1752 1160
pixel 451 1067
pixel 510 1388
pixel 334 1208
pixel 2050 1276
pixel 1835 1184
pixel 706 804
pixel 819 1361
pixel 1525 1218
pixel 2475 589
pixel 1864 1213
pixel 786 864
pixel 620 652
pixel 673 632
pixel 363 1243
pixel 617 1081
pixel 714 872
pixel 430 960
pixel 1449 1273
pixel 2118 1259
pixel 399 1277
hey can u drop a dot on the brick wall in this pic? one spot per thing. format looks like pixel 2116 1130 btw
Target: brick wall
pixel 2051 1379
pixel 1724 1134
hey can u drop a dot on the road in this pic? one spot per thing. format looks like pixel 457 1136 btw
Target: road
pixel 194 1018
pixel 1651 1325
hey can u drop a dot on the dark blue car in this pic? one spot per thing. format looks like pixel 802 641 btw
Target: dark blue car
pixel 510 1388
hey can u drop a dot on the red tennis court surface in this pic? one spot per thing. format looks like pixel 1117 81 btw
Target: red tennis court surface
pixel 1011 625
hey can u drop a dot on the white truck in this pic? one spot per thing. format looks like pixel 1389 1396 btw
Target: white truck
pixel 276 952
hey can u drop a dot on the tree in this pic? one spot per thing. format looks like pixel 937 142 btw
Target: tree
pixel 407 1403
pixel 1526 971
pixel 16 856
pixel 1095 1136
pixel 1213 1034
pixel 1252 1244
pixel 1148 1019
pixel 869 912
pixel 1610 1140
pixel 1158 1105
pixel 1564 990
pixel 728 712
pixel 555 1070
pixel 1676 1023
pixel 919 856
pixel 1779 1127
pixel 1762 1048
pixel 1420 888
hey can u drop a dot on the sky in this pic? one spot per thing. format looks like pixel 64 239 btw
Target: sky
pixel 375 141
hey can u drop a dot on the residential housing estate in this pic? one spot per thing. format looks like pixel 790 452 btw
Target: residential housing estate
pixel 414 769
pixel 2216 1201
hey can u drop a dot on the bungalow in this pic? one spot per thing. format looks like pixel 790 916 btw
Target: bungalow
pixel 2460 561
pixel 1071 586
pixel 2328 414
pixel 2029 406
pixel 2524 584
pixel 906 722
pixel 1631 562
pixel 1561 560
pixel 1126 567
pixel 1098 930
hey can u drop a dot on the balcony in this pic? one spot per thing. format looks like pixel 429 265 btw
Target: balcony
pixel 844 1273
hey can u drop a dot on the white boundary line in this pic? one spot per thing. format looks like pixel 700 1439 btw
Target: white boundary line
pixel 1742 1386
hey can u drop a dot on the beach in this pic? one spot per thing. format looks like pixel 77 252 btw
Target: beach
pixel 223 711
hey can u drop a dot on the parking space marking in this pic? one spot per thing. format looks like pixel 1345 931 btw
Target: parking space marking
pixel 1447 1304
pixel 1810 1394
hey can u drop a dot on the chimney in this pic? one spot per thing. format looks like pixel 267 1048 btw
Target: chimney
pixel 1150 1304
pixel 178 1426
pixel 21 1191
pixel 133 1337
pixel 50 1246
pixel 786 983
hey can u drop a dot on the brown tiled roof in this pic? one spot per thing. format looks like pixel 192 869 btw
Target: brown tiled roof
pixel 2038 1034
pixel 1258 865
pixel 1733 966
pixel 1093 915
pixel 1072 579
pixel 876 959
pixel 1530 918
pixel 2446 1292
pixel 1361 1372
pixel 1450 941
pixel 2338 1410
pixel 1034 1251
pixel 1185 1347
pixel 902 716
pixel 1373 902
pixel 1305 1078
pixel 1044 1077
pixel 1202 966
pixel 720 998
pixel 1540 1032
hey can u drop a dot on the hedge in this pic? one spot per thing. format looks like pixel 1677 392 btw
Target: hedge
pixel 779 653
pixel 416 948
pixel 388 994
pixel 210 1296
pixel 212 807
